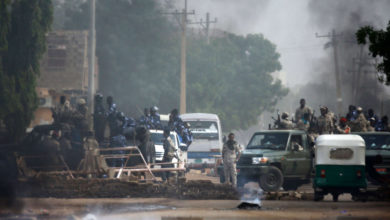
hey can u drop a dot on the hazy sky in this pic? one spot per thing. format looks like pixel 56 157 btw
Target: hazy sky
pixel 291 25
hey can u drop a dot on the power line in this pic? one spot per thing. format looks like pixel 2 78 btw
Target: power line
pixel 206 26
pixel 334 43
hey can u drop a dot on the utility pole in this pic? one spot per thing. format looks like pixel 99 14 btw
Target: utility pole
pixel 91 73
pixel 337 74
pixel 206 26
pixel 358 75
pixel 183 64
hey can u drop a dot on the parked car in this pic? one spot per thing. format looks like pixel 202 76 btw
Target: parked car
pixel 377 156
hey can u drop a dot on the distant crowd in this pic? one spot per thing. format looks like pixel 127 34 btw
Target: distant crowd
pixel 356 120
pixel 74 122
pixel 119 124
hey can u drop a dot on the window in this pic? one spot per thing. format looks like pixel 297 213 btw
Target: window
pixel 273 141
pixel 296 140
pixel 204 130
pixel 340 153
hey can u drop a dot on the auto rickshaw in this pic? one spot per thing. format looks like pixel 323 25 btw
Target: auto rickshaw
pixel 340 166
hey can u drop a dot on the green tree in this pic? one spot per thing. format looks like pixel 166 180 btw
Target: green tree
pixel 138 50
pixel 231 77
pixel 28 21
pixel 379 45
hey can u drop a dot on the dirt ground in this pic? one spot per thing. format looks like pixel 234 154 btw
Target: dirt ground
pixel 159 208
pixel 175 209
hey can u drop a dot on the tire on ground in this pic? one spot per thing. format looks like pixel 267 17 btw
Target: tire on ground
pixel 272 180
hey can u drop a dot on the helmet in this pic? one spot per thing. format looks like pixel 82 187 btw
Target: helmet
pixel 154 109
pixel 359 109
pixel 187 125
pixel 81 101
pixel 99 97
pixel 120 115
pixel 284 115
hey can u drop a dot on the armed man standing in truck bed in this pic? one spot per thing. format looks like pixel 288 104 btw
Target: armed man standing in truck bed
pixel 230 155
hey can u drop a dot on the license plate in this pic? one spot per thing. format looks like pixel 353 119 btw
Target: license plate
pixel 381 170
pixel 198 160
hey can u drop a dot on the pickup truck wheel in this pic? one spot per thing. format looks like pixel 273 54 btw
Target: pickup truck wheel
pixel 271 181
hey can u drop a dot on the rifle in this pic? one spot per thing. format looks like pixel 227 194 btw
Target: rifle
pixel 312 117
pixel 276 121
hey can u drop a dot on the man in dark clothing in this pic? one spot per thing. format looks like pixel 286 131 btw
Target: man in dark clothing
pixel 144 120
pixel 187 134
pixel 352 113
pixel 383 125
pixel 111 116
pixel 99 119
pixel 155 118
pixel 175 123
pixel 169 154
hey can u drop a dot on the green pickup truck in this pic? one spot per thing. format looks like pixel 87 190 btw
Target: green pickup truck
pixel 275 159
pixel 377 156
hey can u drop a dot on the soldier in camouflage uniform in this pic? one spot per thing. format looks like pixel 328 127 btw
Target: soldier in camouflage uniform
pixel 284 123
pixel 324 122
pixel 303 123
pixel 360 123
pixel 63 113
pixel 302 110
pixel 80 117
pixel 230 156
pixel 169 154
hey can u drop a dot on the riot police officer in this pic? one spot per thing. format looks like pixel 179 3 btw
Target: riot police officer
pixel 99 119
pixel 111 116
pixel 144 120
pixel 155 118
pixel 187 134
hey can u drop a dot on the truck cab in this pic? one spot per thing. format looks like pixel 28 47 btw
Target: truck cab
pixel 377 156
pixel 275 159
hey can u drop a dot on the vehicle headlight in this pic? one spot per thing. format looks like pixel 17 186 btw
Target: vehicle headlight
pixel 259 160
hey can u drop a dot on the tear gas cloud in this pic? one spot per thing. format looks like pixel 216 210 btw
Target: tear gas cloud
pixel 307 66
